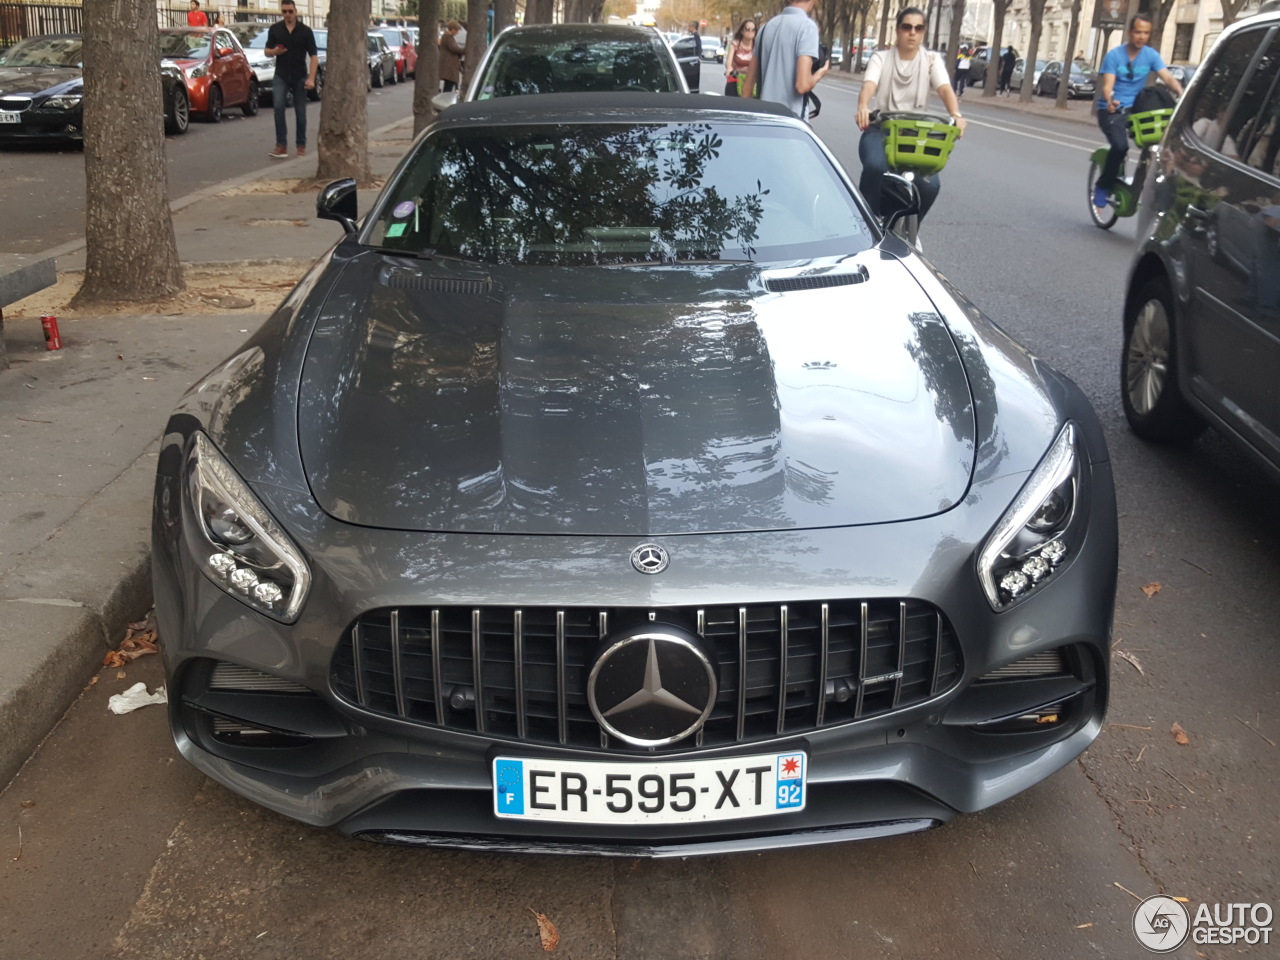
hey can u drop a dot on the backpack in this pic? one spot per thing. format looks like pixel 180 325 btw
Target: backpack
pixel 1155 97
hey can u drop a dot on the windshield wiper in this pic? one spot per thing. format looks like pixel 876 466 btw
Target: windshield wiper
pixel 426 253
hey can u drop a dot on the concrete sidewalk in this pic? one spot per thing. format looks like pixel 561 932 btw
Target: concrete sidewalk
pixel 79 432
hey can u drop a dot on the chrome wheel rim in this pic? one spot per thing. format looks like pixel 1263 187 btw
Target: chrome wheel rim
pixel 1147 360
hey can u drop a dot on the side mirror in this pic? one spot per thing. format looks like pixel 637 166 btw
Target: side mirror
pixel 224 51
pixel 899 197
pixel 337 201
pixel 443 101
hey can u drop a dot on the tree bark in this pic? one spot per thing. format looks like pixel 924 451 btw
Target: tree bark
pixel 426 77
pixel 504 14
pixel 131 252
pixel 343 143
pixel 1033 46
pixel 991 83
pixel 953 37
pixel 1064 82
pixel 477 27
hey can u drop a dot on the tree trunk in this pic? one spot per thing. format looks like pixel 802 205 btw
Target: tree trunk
pixel 539 11
pixel 1068 61
pixel 343 143
pixel 1231 10
pixel 1159 11
pixel 131 253
pixel 953 37
pixel 477 27
pixel 426 77
pixel 1033 46
pixel 504 14
pixel 884 23
pixel 991 83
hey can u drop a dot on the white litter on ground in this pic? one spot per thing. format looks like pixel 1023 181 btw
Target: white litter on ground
pixel 135 697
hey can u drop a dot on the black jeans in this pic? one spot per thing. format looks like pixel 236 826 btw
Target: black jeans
pixel 875 165
pixel 1115 127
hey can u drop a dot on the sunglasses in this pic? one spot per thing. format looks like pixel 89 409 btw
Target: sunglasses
pixel 912 27
pixel 1130 67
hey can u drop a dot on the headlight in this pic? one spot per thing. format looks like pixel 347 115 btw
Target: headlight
pixel 66 101
pixel 237 544
pixel 1027 544
pixel 198 71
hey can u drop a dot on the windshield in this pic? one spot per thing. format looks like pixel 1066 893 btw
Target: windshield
pixel 660 192
pixel 184 46
pixel 522 66
pixel 392 37
pixel 322 39
pixel 252 36
pixel 43 52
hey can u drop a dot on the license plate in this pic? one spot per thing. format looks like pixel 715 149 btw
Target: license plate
pixel 678 791
pixel 8 116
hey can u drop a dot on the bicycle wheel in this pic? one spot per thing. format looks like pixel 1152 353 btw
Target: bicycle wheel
pixel 1106 216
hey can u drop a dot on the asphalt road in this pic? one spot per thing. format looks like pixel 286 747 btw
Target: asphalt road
pixel 128 853
pixel 42 188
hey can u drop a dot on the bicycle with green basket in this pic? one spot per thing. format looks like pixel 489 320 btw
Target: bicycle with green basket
pixel 915 145
pixel 1146 128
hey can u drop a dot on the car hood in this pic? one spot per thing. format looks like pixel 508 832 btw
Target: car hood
pixel 631 401
pixel 36 80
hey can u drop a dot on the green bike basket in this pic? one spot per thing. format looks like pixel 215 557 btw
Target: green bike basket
pixel 919 145
pixel 1148 127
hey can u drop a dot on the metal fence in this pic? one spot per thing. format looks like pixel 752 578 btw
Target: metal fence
pixel 19 19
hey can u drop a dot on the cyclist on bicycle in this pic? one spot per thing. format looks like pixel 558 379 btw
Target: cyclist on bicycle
pixel 902 76
pixel 1124 73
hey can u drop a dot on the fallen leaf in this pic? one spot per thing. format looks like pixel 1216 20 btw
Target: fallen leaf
pixel 27 804
pixel 1151 589
pixel 547 931
pixel 93 680
pixel 120 674
pixel 1083 926
pixel 1130 658
pixel 1179 735
pixel 113 659
pixel 119 356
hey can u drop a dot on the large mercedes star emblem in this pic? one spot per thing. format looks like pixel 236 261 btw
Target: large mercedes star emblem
pixel 650 558
pixel 652 686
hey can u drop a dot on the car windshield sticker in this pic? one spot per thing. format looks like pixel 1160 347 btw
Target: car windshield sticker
pixel 403 210
pixel 395 230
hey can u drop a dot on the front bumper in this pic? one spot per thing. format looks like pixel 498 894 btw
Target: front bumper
pixel 44 126
pixel 384 778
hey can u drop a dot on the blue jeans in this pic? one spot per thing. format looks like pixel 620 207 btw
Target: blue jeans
pixel 875 165
pixel 1115 127
pixel 280 89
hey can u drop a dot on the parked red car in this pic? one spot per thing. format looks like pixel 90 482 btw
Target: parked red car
pixel 216 68
pixel 400 40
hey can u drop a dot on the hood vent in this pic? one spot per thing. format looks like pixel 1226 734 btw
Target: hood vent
pixel 471 288
pixel 817 281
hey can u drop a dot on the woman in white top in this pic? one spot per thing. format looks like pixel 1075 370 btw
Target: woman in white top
pixel 900 78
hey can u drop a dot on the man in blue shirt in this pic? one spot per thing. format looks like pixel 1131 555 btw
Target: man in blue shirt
pixel 1124 72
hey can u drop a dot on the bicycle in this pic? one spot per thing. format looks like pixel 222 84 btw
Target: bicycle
pixel 914 144
pixel 1146 128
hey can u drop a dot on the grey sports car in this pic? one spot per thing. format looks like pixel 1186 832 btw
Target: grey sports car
pixel 602 492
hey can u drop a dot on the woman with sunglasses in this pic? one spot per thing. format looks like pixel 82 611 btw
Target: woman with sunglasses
pixel 738 60
pixel 1124 73
pixel 900 79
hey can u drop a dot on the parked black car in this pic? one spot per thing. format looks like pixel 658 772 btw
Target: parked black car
pixel 382 60
pixel 42 88
pixel 1202 312
pixel 1081 85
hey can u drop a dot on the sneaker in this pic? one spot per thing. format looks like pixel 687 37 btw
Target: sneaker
pixel 302 151
pixel 1099 197
pixel 279 153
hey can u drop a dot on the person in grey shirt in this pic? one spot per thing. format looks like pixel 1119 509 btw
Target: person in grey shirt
pixel 782 65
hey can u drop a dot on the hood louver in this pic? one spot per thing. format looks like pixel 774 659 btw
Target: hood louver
pixel 474 288
pixel 815 281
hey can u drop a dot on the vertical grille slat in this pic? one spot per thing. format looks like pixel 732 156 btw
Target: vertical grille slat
pixel 517 627
pixel 783 653
pixel 396 663
pixel 742 673
pixel 824 653
pixel 785 669
pixel 477 668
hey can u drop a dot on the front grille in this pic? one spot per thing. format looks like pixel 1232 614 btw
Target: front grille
pixel 522 673
pixel 17 104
